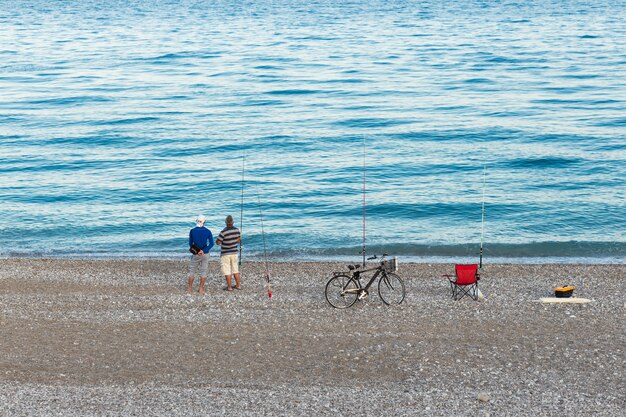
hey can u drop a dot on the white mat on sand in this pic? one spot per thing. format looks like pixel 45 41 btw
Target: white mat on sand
pixel 573 300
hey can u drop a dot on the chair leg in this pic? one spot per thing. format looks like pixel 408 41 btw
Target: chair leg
pixel 466 291
pixel 459 293
pixel 463 293
pixel 475 297
pixel 471 292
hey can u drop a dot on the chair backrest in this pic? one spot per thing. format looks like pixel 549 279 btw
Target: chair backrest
pixel 466 274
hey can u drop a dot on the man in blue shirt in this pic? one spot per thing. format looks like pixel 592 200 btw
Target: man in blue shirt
pixel 202 238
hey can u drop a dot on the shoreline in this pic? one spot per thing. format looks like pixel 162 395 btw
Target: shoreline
pixel 121 337
pixel 535 260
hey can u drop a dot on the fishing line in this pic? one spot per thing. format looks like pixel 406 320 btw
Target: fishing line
pixel 364 203
pixel 482 220
pixel 243 171
pixel 267 271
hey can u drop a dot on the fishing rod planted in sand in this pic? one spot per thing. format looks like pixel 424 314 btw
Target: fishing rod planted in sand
pixel 482 220
pixel 243 171
pixel 364 205
pixel 267 271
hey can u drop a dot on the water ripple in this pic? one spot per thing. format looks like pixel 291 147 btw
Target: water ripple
pixel 114 138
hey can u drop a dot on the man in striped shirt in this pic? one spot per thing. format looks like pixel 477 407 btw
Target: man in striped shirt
pixel 228 239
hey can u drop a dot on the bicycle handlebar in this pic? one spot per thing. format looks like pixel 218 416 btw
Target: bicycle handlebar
pixel 376 257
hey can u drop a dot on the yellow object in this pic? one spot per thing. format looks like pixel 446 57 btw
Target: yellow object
pixel 564 291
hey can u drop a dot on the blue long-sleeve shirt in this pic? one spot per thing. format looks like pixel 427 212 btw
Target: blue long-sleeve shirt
pixel 202 237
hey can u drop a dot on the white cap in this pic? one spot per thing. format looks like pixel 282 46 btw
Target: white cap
pixel 200 220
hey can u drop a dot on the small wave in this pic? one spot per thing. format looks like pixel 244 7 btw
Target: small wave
pixel 126 121
pixel 502 60
pixel 10 137
pixel 70 101
pixel 276 143
pixel 108 89
pixel 314 38
pixel 450 211
pixel 451 108
pixel 268 67
pixel 580 76
pixel 478 81
pixel 168 56
pixel 556 101
pixel 24 68
pixel 619 122
pixel 345 81
pixel 94 140
pixel 542 162
pixel 556 138
pixel 371 122
pixel 9 118
pixel 45 165
pixel 469 136
pixel 179 97
pixel 613 147
pixel 291 92
pixel 262 103
pixel 172 56
pixel 192 150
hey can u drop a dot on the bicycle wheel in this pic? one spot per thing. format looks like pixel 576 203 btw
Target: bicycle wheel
pixel 341 291
pixel 391 289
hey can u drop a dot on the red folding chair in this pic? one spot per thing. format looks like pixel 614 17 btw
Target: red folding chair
pixel 464 282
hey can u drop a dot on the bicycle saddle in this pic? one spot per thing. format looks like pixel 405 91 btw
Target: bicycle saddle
pixel 353 267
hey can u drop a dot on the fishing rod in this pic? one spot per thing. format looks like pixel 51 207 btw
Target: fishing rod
pixel 482 220
pixel 267 271
pixel 364 205
pixel 243 171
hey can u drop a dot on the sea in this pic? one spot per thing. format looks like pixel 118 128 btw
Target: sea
pixel 423 129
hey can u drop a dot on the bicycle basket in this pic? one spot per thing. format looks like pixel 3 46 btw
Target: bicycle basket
pixel 391 265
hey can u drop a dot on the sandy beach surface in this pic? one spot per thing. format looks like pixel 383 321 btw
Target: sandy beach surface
pixel 121 337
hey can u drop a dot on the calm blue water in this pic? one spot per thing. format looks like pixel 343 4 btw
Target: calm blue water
pixel 119 123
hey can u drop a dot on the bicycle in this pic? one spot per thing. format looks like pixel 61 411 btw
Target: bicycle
pixel 345 288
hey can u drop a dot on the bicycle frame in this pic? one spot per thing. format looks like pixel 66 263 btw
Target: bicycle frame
pixel 357 274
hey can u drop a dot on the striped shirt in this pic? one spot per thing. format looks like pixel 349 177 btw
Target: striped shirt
pixel 229 237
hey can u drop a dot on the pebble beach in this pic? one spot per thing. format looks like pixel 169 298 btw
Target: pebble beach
pixel 122 337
